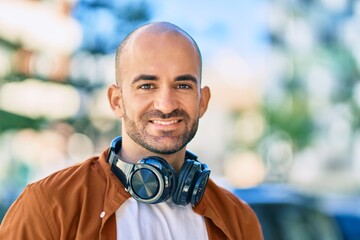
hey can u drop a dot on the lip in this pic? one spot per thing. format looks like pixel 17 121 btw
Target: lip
pixel 165 122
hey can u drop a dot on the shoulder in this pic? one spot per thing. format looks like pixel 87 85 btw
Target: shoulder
pixel 73 182
pixel 51 206
pixel 70 175
pixel 223 198
pixel 229 213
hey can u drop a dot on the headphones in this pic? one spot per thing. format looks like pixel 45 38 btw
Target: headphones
pixel 153 179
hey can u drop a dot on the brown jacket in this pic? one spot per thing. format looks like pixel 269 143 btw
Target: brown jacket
pixel 80 203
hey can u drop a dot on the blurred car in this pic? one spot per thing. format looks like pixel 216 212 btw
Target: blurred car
pixel 286 214
pixel 346 211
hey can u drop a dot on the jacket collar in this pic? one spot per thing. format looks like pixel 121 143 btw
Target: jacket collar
pixel 116 194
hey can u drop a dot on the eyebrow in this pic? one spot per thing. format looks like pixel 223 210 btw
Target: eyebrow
pixel 147 77
pixel 142 77
pixel 187 77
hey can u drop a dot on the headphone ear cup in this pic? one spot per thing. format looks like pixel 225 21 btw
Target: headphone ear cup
pixel 161 181
pixel 188 172
pixel 200 185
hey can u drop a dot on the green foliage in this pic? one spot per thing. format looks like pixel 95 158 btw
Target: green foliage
pixel 14 121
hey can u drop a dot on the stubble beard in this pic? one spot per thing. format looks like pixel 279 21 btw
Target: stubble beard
pixel 155 144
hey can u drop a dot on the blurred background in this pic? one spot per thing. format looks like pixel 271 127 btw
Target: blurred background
pixel 284 77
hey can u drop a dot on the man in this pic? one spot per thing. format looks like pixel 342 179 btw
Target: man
pixel 124 193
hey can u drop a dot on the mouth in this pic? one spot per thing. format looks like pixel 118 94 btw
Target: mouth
pixel 166 122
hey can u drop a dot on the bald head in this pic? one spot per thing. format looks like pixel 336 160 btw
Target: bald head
pixel 156 31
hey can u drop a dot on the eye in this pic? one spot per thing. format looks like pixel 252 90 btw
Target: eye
pixel 184 86
pixel 146 86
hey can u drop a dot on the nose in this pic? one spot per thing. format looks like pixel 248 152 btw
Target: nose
pixel 165 101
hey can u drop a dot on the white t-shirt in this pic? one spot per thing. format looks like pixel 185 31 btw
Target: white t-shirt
pixel 166 220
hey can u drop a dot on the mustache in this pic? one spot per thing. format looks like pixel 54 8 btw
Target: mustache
pixel 159 114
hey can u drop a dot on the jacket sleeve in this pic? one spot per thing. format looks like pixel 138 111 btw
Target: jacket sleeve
pixel 252 229
pixel 27 218
pixel 247 219
pixel 227 216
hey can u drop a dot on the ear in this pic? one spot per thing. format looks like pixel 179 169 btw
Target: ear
pixel 114 97
pixel 205 97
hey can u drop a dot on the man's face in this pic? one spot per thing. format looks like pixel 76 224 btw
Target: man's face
pixel 161 98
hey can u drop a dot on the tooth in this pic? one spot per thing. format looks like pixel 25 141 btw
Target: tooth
pixel 165 122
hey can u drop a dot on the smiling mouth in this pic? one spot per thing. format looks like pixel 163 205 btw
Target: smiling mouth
pixel 165 123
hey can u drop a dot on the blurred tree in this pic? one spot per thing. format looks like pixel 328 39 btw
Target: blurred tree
pixel 320 70
pixel 16 121
pixel 105 23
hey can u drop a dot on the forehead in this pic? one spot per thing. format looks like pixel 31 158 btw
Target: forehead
pixel 160 51
pixel 160 29
pixel 159 41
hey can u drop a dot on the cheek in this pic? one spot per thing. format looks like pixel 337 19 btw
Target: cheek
pixel 193 109
pixel 134 107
